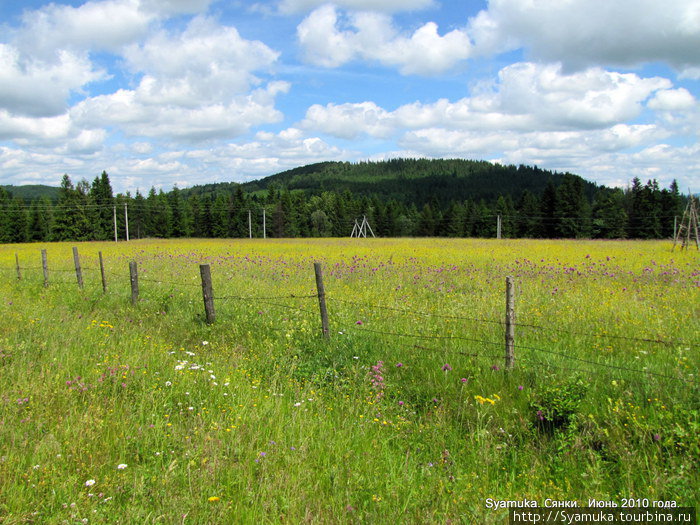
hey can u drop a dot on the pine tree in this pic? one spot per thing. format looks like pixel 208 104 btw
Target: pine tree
pixel 548 209
pixel 17 221
pixel 529 222
pixel 74 217
pixel 40 220
pixel 5 199
pixel 609 216
pixel 220 217
pixel 572 209
pixel 101 195
pixel 179 214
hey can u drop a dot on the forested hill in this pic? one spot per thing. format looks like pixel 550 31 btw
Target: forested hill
pixel 404 197
pixel 31 192
pixel 408 181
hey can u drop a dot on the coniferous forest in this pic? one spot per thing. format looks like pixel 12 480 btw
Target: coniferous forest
pixel 401 197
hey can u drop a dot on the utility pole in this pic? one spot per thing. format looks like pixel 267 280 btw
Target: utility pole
pixel 115 224
pixel 498 227
pixel 126 221
pixel 250 227
pixel 264 229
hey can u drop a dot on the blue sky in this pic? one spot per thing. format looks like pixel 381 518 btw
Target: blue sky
pixel 164 92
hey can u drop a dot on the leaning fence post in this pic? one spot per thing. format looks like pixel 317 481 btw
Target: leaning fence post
pixel 207 293
pixel 19 272
pixel 134 273
pixel 322 300
pixel 510 324
pixel 78 270
pixel 45 266
pixel 102 273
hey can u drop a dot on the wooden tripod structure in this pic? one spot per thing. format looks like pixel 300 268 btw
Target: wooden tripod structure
pixel 689 226
pixel 360 229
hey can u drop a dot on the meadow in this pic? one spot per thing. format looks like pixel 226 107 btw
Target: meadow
pixel 119 413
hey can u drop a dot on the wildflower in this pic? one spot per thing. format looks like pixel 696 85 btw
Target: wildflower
pixel 121 466
pixel 399 365
pixel 400 403
pixel 657 437
pixel 463 380
pixel 214 498
pixel 205 343
pixel 495 367
pixel 168 383
pixel 90 483
pixel 446 367
pixel 359 322
pixel 520 387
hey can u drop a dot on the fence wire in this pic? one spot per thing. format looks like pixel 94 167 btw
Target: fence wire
pixel 273 301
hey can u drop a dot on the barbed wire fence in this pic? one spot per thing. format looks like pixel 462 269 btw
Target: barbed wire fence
pixel 525 352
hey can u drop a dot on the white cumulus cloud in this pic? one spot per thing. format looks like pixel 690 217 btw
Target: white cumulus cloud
pixel 298 6
pixel 580 33
pixel 198 84
pixel 96 25
pixel 329 40
pixel 32 86
pixel 526 96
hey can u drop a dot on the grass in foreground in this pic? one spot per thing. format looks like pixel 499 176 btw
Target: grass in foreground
pixel 115 413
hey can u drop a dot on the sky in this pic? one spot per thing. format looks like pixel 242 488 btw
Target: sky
pixel 182 92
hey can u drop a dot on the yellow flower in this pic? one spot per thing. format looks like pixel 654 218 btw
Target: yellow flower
pixel 214 498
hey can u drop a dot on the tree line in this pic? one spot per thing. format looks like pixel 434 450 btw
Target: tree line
pixel 567 209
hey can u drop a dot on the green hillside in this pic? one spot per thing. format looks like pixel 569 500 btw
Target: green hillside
pixel 31 192
pixel 416 181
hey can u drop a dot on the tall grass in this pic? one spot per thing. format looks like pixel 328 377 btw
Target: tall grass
pixel 114 413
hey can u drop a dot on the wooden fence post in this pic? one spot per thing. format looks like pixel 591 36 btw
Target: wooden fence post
pixel 45 265
pixel 322 300
pixel 78 270
pixel 102 273
pixel 134 273
pixel 207 293
pixel 19 272
pixel 510 324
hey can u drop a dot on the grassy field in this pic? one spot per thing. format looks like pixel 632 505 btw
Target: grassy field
pixel 113 413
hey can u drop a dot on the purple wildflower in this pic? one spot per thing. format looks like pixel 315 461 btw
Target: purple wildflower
pixel 446 367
